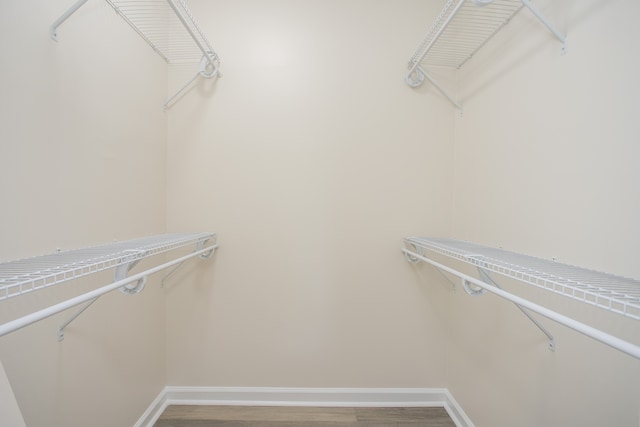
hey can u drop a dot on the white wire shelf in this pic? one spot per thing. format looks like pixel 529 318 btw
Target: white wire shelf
pixel 168 26
pixel 451 42
pixel 607 291
pixel 614 293
pixel 460 30
pixel 31 274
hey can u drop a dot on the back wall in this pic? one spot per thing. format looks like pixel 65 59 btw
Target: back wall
pixel 311 159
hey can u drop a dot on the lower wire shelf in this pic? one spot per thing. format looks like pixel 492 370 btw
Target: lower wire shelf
pixel 32 274
pixel 606 291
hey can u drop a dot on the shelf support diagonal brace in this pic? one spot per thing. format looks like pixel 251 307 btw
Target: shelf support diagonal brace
pixel 74 317
pixel 203 255
pixel 441 89
pixel 120 274
pixel 416 77
pixel 54 27
pixel 413 260
pixel 486 278
pixel 548 24
pixel 207 69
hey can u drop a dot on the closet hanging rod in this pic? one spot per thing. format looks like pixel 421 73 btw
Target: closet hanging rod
pixel 31 318
pixel 597 334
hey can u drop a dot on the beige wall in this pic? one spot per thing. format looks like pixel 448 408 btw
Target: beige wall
pixel 82 162
pixel 546 164
pixel 11 414
pixel 311 159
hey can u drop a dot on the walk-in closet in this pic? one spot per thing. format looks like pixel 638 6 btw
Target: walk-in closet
pixel 375 205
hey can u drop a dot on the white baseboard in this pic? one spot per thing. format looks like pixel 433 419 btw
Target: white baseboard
pixel 285 396
pixel 153 412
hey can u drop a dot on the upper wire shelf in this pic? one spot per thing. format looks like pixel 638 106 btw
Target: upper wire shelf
pixel 607 291
pixel 168 26
pixel 460 30
pixel 451 42
pixel 30 274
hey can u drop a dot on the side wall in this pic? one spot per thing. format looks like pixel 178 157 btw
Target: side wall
pixel 546 164
pixel 82 162
pixel 311 159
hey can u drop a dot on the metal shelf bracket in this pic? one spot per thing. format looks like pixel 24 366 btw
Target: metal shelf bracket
pixel 203 255
pixel 54 27
pixel 123 269
pixel 561 37
pixel 207 69
pixel 485 276
pixel 201 245
pixel 74 317
pixel 415 249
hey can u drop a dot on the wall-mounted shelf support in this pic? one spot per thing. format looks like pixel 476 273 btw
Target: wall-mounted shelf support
pixel 54 27
pixel 169 28
pixel 66 323
pixel 485 276
pixel 460 30
pixel 416 77
pixel 32 274
pixel 612 293
pixel 203 255
pixel 561 37
pixel 128 262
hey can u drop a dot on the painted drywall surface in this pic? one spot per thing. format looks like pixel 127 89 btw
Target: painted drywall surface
pixel 82 162
pixel 311 159
pixel 546 164
pixel 10 414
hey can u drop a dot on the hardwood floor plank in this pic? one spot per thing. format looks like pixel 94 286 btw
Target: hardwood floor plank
pixel 437 416
pixel 293 416
pixel 218 423
pixel 259 413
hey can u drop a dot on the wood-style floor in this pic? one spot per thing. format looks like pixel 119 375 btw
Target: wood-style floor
pixel 275 416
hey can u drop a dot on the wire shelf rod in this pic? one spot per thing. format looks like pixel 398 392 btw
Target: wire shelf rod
pixel 30 274
pixel 614 293
pixel 39 315
pixel 597 334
